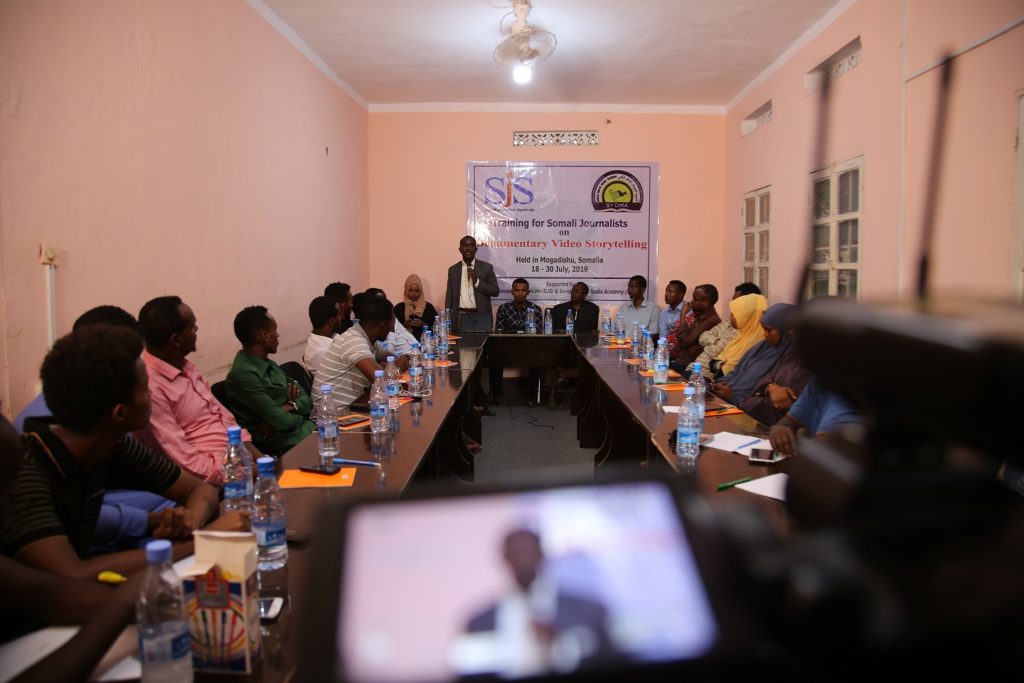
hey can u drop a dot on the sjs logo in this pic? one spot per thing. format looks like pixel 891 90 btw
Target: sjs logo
pixel 508 191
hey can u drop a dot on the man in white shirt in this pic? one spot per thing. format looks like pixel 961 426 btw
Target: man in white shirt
pixel 471 284
pixel 638 310
pixel 324 316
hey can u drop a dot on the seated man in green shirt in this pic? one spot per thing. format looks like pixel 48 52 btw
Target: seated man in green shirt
pixel 274 410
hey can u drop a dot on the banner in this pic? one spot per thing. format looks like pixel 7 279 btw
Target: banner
pixel 556 224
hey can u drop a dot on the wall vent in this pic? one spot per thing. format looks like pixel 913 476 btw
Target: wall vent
pixel 844 60
pixel 756 118
pixel 555 138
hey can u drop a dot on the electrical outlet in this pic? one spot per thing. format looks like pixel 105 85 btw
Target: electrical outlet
pixel 48 254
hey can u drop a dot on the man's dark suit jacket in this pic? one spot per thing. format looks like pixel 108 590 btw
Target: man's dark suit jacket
pixel 486 287
pixel 586 317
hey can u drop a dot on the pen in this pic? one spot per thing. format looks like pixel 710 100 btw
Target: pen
pixel 730 484
pixel 364 463
pixel 113 578
pixel 749 443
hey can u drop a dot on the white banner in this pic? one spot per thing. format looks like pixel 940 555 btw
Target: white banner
pixel 556 224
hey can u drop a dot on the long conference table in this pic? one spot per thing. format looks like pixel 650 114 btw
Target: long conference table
pixel 619 412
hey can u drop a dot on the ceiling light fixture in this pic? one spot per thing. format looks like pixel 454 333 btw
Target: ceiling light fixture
pixel 525 47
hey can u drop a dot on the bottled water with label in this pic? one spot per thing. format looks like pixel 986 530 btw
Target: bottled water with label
pixel 699 389
pixel 634 341
pixel 165 644
pixel 661 363
pixel 415 356
pixel 378 403
pixel 392 380
pixel 646 350
pixel 268 518
pixel 606 322
pixel 428 350
pixel 441 342
pixel 570 322
pixel 688 429
pixel 549 326
pixel 415 381
pixel 620 326
pixel 531 321
pixel 237 474
pixel 327 424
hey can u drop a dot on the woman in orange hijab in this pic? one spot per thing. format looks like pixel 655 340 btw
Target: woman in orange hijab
pixel 745 316
pixel 414 312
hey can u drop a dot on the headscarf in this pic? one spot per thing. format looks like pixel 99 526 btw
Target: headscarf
pixel 410 305
pixel 759 360
pixel 747 310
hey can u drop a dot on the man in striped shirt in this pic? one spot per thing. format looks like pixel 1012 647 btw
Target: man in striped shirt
pixel 96 387
pixel 348 365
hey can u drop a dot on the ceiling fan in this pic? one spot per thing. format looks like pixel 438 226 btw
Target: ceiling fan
pixel 525 46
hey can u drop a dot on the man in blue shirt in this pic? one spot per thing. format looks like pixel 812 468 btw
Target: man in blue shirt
pixel 675 307
pixel 512 318
pixel 820 411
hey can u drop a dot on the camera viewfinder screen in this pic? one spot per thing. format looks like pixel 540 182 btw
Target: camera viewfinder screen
pixel 520 584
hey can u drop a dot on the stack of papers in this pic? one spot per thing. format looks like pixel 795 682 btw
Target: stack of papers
pixel 743 444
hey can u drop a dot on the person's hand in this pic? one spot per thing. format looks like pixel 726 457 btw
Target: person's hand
pixel 721 389
pixel 231 521
pixel 684 310
pixel 293 391
pixel 472 275
pixel 174 523
pixel 781 397
pixel 783 439
pixel 402 363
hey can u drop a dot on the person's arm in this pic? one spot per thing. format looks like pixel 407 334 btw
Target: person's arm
pixel 488 284
pixel 55 555
pixel 196 496
pixel 781 397
pixel 368 366
pixel 246 388
pixel 165 435
pixel 783 435
pixel 104 613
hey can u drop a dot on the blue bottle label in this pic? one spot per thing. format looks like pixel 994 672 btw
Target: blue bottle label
pixel 688 435
pixel 236 489
pixel 328 430
pixel 163 649
pixel 270 534
pixel 378 410
pixel 393 389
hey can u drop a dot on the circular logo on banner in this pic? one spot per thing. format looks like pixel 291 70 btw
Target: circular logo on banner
pixel 617 191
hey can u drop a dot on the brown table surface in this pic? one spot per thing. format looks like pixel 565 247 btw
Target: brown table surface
pixel 411 451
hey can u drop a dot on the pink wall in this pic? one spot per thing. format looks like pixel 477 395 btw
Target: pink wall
pixel 976 209
pixel 169 147
pixel 418 185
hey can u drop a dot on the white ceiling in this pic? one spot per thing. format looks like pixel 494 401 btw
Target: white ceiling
pixel 617 52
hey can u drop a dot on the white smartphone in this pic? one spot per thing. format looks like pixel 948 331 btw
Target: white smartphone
pixel 766 456
pixel 270 608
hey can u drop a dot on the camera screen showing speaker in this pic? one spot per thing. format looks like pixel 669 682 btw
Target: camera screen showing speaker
pixel 519 584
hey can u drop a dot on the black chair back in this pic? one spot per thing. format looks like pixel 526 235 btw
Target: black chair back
pixel 295 371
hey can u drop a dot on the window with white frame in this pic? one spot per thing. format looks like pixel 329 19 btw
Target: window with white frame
pixel 836 195
pixel 757 216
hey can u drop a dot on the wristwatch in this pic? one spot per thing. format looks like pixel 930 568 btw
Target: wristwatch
pixel 294 405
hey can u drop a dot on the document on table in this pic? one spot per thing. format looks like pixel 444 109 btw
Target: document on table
pixel 772 486
pixel 743 444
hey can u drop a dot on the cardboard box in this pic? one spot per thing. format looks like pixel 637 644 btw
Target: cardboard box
pixel 222 602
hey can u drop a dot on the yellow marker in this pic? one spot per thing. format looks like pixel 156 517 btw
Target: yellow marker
pixel 113 578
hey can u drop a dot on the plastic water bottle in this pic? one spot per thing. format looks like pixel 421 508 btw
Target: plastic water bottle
pixel 661 363
pixel 416 356
pixel 688 429
pixel 606 322
pixel 384 345
pixel 699 389
pixel 268 518
pixel 428 351
pixel 634 341
pixel 415 381
pixel 441 341
pixel 393 385
pixel 531 320
pixel 646 350
pixel 327 424
pixel 165 644
pixel 378 403
pixel 237 474
pixel 570 322
pixel 620 326
pixel 549 322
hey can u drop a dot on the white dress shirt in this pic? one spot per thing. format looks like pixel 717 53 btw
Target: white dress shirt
pixel 467 297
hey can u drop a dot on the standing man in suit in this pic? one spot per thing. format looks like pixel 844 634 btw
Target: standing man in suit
pixel 471 284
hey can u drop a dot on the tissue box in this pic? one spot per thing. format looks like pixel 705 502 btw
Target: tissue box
pixel 222 602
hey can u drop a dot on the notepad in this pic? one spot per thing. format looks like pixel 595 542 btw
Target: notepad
pixel 297 479
pixel 744 444
pixel 772 486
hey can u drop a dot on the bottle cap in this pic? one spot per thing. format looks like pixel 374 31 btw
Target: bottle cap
pixel 391 359
pixel 265 465
pixel 325 389
pixel 378 373
pixel 158 551
pixel 697 367
pixel 661 341
pixel 415 345
pixel 234 434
